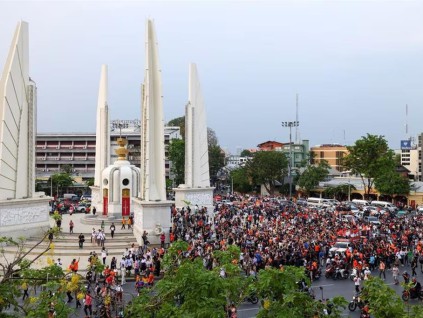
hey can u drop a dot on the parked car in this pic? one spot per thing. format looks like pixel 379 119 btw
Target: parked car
pixel 82 208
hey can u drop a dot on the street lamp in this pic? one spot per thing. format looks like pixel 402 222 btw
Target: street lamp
pixel 290 124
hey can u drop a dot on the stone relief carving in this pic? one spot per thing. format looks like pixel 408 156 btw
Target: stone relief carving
pixel 23 215
pixel 200 198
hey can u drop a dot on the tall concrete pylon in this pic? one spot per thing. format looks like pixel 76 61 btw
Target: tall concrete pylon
pixel 151 209
pixel 23 212
pixel 18 109
pixel 153 184
pixel 196 144
pixel 196 191
pixel 102 144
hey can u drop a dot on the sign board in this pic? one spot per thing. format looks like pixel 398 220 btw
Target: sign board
pixel 405 144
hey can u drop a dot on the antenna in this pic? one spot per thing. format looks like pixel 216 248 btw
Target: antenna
pixel 406 120
pixel 296 119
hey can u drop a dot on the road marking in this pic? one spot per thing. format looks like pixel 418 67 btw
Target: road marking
pixel 248 309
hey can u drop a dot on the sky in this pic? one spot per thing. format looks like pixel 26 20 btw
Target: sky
pixel 355 65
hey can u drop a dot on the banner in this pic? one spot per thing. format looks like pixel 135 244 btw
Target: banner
pixel 405 144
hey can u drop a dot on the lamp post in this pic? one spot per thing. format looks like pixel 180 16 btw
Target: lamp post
pixel 290 124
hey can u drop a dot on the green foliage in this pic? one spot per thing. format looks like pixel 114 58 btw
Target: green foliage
pixel 266 168
pixel 241 180
pixel 18 270
pixel 246 153
pixel 339 190
pixel 369 157
pixel 390 182
pixel 66 169
pixel 89 182
pixel 281 297
pixel 312 175
pixel 179 122
pixel 61 180
pixel 176 153
pixel 216 160
pixel 189 290
pixel 384 301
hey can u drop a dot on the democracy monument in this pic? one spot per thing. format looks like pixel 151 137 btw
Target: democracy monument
pixel 120 189
pixel 23 212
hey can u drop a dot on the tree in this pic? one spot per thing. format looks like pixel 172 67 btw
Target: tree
pixel 340 191
pixel 246 153
pixel 179 122
pixel 66 169
pixel 369 157
pixel 212 137
pixel 282 298
pixel 266 168
pixel 391 183
pixel 17 270
pixel 385 302
pixel 188 289
pixel 241 181
pixel 312 175
pixel 216 161
pixel 177 156
pixel 61 180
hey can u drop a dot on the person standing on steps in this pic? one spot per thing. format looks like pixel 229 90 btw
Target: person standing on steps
pixel 94 210
pixel 104 255
pixel 81 239
pixel 112 229
pixel 123 223
pixel 71 227
pixel 102 226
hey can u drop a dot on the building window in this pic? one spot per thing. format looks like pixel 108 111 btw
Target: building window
pixel 322 154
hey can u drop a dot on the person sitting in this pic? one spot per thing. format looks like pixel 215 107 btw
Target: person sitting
pixel 415 288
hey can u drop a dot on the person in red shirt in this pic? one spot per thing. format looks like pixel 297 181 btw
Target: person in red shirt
pixel 88 304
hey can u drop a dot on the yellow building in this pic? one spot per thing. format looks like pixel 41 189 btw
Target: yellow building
pixel 332 153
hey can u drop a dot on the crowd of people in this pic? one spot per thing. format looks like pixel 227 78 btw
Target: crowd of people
pixel 271 232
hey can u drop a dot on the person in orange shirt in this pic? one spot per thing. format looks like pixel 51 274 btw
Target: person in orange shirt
pixel 74 265
pixel 150 280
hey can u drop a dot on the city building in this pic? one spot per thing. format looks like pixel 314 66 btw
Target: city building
pixel 270 145
pixel 55 150
pixel 237 161
pixel 411 157
pixel 332 153
pixel 300 153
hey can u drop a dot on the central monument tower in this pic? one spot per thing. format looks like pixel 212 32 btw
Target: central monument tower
pixel 151 209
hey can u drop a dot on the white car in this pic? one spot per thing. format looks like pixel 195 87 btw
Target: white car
pixel 339 247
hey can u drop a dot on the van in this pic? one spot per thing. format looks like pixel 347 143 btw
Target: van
pixel 69 196
pixel 317 202
pixel 360 202
pixel 385 205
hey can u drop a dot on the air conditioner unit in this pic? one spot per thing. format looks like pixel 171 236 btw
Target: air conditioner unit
pixel 44 147
pixel 43 169
pixel 58 147
pixel 43 158
pixel 85 147
pixel 71 147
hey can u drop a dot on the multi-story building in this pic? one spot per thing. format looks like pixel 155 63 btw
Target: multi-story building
pixel 300 153
pixel 411 157
pixel 332 153
pixel 77 150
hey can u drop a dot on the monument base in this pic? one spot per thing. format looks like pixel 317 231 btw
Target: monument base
pixel 153 217
pixel 24 217
pixel 203 197
pixel 96 199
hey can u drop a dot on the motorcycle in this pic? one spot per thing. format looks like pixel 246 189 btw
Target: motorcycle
pixel 340 273
pixel 356 302
pixel 329 272
pixel 252 298
pixel 406 295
